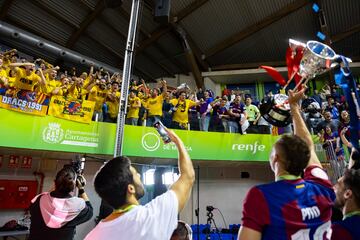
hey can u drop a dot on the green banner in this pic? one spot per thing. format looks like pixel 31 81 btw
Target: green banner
pixel 50 133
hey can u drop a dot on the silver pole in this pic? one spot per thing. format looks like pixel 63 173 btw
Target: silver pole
pixel 127 69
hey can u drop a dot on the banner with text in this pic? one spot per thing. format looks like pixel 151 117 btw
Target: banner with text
pixel 24 101
pixel 50 133
pixel 75 110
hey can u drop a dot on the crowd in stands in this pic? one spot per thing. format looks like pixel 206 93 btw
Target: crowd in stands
pixel 325 112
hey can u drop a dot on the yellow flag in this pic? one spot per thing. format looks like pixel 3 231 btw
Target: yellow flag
pixel 75 110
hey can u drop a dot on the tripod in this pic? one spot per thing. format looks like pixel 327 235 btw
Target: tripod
pixel 210 220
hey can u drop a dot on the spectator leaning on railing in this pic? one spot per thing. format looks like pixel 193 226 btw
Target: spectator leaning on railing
pixel 134 105
pixel 154 103
pixel 253 115
pixel 180 110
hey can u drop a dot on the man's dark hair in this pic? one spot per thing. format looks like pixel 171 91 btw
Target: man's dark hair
pixel 112 180
pixel 181 231
pixel 352 182
pixel 296 153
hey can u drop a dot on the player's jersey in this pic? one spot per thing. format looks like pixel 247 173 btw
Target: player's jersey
pixel 291 209
pixel 348 229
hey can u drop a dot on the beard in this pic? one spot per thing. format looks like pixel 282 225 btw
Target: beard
pixel 139 191
pixel 339 203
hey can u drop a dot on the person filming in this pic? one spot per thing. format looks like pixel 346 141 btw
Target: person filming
pixel 118 183
pixel 55 214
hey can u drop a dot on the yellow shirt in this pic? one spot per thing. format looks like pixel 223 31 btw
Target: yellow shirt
pixel 154 105
pixel 51 84
pixel 77 93
pixel 133 111
pixel 113 107
pixel 3 74
pixel 22 81
pixel 181 115
pixel 86 81
pixel 98 96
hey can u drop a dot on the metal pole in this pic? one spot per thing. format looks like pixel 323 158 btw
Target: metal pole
pixel 198 203
pixel 127 69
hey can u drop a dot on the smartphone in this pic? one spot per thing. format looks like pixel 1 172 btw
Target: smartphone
pixel 162 132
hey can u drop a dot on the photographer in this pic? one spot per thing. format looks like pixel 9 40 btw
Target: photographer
pixel 55 214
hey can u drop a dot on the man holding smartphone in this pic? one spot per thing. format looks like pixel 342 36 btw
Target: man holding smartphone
pixel 119 184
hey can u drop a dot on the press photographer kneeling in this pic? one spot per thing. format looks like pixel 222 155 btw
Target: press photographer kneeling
pixel 55 214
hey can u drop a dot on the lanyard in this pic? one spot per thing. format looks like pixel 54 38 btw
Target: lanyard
pixel 351 214
pixel 124 210
pixel 287 177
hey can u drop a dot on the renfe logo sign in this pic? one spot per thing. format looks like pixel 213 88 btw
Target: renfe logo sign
pixel 253 148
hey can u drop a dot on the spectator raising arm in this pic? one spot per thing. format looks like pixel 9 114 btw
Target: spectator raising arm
pixel 42 77
pixel 164 90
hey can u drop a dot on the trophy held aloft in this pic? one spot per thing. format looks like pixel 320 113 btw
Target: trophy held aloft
pixel 304 62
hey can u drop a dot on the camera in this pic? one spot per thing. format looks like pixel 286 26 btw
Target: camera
pixel 162 132
pixel 78 167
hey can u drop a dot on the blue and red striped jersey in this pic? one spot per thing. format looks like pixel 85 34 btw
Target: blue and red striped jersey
pixel 348 229
pixel 291 209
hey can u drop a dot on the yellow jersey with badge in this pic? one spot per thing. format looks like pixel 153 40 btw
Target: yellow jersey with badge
pixel 181 115
pixel 77 93
pixel 51 85
pixel 98 96
pixel 113 107
pixel 154 105
pixel 133 112
pixel 24 81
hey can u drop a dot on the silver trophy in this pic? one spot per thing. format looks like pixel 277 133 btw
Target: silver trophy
pixel 316 60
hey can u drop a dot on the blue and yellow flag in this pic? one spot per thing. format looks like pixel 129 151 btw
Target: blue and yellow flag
pixel 24 101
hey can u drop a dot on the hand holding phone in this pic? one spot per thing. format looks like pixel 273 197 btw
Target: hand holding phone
pixel 162 132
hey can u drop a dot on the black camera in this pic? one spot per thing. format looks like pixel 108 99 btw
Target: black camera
pixel 78 167
pixel 210 208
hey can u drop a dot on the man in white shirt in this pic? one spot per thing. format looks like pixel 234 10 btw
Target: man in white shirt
pixel 119 184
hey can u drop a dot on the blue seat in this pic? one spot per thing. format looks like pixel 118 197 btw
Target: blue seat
pixel 202 227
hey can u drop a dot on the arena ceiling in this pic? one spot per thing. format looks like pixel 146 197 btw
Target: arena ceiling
pixel 222 34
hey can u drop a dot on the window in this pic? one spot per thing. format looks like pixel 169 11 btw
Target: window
pixel 149 177
pixel 169 178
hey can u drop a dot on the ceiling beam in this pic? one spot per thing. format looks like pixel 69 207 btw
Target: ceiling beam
pixel 160 31
pixel 126 16
pixel 247 65
pixel 195 49
pixel 340 36
pixel 4 9
pixel 54 13
pixel 163 67
pixel 100 6
pixel 189 9
pixel 248 31
pixel 28 29
pixel 147 75
pixel 84 3
pixel 154 36
pixel 150 58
